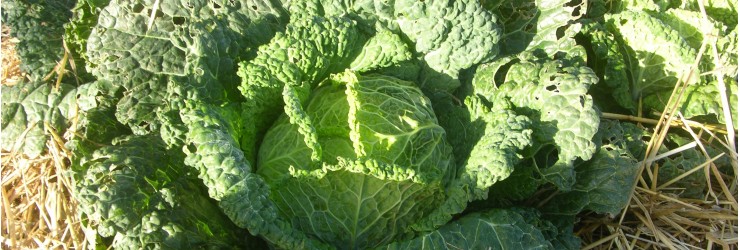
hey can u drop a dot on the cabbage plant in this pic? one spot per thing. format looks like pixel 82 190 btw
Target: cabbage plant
pixel 328 124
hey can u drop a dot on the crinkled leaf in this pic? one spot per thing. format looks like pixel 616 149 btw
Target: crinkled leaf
pixel 141 196
pixel 699 101
pixel 692 185
pixel 553 94
pixel 535 24
pixel 384 49
pixel 728 52
pixel 84 17
pixel 38 26
pixel 224 169
pixel 654 66
pixel 494 229
pixel 631 68
pixel 451 36
pixel 27 108
pixel 604 183
pixel 607 61
pixel 485 137
pixel 163 53
pixel 381 149
pixel 446 36
pixel 307 52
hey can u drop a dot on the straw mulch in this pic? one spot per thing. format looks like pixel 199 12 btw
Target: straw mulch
pixel 657 217
pixel 38 212
pixel 10 72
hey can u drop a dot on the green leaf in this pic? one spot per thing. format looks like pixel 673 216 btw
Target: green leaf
pixel 384 49
pixel 27 108
pixel 451 36
pixel 699 102
pixel 175 50
pixel 494 229
pixel 534 24
pixel 553 94
pixel 486 138
pixel 604 183
pixel 141 196
pixel 655 66
pixel 293 59
pixel 384 162
pixel 631 69
pixel 213 151
pixel 445 36
pixel 84 17
pixel 39 27
pixel 692 185
pixel 608 62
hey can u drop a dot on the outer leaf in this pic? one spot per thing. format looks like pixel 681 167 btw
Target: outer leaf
pixel 690 24
pixel 553 94
pixel 598 8
pixel 608 62
pixel 451 35
pixel 621 56
pixel 693 185
pixel 626 138
pixel 654 66
pixel 224 169
pixel 728 49
pixel 534 24
pixel 698 101
pixel 407 70
pixel 163 53
pixel 39 26
pixel 84 17
pixel 95 121
pixel 486 138
pixel 137 193
pixel 521 184
pixel 447 36
pixel 495 229
pixel 383 50
pixel 721 10
pixel 307 52
pixel 26 110
pixel 603 184
pixel 694 28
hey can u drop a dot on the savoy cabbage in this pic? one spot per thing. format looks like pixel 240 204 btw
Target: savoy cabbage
pixel 351 124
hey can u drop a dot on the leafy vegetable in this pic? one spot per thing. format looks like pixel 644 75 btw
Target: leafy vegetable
pixel 142 199
pixel 344 168
pixel 495 229
pixel 38 25
pixel 652 69
pixel 356 124
pixel 553 94
pixel 604 183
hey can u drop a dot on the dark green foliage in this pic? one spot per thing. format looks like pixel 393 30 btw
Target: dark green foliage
pixel 39 27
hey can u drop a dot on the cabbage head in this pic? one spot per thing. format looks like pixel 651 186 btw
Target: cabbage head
pixel 363 162
pixel 306 124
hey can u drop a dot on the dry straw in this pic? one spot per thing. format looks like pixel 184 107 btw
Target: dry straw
pixel 657 218
pixel 37 209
